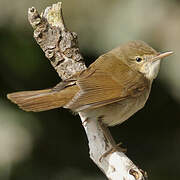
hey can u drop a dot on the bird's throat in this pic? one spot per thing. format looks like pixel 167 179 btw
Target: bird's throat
pixel 152 70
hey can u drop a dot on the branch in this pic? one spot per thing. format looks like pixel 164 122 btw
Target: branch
pixel 59 45
pixel 61 48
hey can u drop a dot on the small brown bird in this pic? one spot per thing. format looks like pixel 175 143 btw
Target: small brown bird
pixel 114 87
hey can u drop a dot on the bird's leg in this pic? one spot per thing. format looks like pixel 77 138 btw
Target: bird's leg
pixel 85 121
pixel 109 138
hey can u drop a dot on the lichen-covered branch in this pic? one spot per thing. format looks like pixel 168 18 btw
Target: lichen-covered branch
pixel 61 47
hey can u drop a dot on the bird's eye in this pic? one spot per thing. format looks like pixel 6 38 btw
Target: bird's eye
pixel 138 59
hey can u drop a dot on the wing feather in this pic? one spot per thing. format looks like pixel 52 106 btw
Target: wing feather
pixel 99 87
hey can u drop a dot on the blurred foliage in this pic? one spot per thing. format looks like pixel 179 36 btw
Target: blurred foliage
pixel 52 145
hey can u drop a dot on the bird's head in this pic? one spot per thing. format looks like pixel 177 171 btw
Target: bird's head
pixel 140 57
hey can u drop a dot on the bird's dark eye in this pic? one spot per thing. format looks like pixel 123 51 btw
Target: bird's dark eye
pixel 138 59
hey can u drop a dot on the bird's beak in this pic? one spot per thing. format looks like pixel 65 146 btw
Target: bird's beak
pixel 161 56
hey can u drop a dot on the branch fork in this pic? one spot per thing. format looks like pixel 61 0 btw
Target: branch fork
pixel 61 47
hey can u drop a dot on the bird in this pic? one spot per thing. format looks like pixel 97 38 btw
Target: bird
pixel 113 88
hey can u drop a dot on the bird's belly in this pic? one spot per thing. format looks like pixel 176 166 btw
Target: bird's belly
pixel 118 112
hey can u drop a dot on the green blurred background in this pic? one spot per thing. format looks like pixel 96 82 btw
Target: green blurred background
pixel 52 145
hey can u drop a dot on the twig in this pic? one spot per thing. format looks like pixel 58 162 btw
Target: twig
pixel 61 48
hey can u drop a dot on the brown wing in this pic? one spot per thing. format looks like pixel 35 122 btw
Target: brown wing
pixel 103 84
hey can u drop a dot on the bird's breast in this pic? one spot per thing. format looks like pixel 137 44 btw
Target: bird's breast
pixel 118 112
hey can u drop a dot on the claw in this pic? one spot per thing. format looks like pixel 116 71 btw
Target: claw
pixel 117 147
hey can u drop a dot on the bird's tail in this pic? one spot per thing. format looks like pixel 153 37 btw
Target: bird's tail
pixel 42 100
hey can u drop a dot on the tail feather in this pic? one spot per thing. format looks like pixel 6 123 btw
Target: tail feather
pixel 42 100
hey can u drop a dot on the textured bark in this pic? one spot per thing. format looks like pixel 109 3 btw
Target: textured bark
pixel 61 48
pixel 59 45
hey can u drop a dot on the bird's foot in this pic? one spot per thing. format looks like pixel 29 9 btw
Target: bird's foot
pixel 85 121
pixel 115 148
